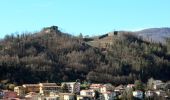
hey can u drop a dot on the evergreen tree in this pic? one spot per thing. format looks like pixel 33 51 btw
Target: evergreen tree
pixel 139 85
pixel 64 88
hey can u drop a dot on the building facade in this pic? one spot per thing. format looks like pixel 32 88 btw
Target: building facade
pixel 73 87
pixel 47 88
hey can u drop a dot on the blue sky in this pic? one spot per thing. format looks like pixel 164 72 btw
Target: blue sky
pixel 90 17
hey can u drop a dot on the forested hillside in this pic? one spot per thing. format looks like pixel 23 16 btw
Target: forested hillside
pixel 53 56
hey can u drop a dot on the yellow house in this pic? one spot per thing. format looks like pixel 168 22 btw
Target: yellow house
pixel 47 88
pixel 31 88
pixel 89 92
pixel 43 88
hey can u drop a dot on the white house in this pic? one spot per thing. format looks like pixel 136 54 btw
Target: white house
pixel 138 94
pixel 32 96
pixel 106 87
pixel 89 92
pixel 149 93
pixel 158 84
pixel 1 93
pixel 119 88
pixel 160 92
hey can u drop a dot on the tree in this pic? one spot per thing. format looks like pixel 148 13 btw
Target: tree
pixel 168 46
pixel 86 36
pixel 150 83
pixel 64 88
pixel 59 56
pixel 139 85
pixel 127 94
pixel 80 35
pixel 11 86
pixel 97 95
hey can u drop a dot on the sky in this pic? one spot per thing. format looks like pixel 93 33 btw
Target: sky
pixel 89 17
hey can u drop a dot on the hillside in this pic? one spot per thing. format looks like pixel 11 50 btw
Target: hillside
pixel 53 56
pixel 47 55
pixel 155 34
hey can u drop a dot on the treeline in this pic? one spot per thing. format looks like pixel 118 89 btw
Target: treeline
pixel 54 56
pixel 130 59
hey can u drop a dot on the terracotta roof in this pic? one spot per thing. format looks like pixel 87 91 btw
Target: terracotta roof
pixel 48 84
pixel 85 96
pixel 68 82
pixel 66 94
pixel 51 86
pixel 90 90
pixel 96 85
pixel 108 92
pixel 27 85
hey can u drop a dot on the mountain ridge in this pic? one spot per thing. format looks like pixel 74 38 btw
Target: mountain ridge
pixel 158 35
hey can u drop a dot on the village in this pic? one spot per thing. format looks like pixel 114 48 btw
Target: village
pixel 87 91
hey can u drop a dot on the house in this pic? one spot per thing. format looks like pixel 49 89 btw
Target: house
pixel 67 96
pixel 73 87
pixel 31 88
pixel 43 88
pixel 119 88
pixel 8 95
pixel 108 95
pixel 32 96
pixel 160 93
pixel 1 94
pixel 114 33
pixel 106 87
pixel 149 93
pixel 96 87
pixel 158 84
pixel 46 88
pixel 81 97
pixel 107 92
pixel 89 92
pixel 52 96
pixel 19 90
pixel 130 86
pixel 138 94
pixel 51 29
pixel 167 86
pixel 103 88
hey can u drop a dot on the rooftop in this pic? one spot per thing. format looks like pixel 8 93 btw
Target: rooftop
pixel 48 84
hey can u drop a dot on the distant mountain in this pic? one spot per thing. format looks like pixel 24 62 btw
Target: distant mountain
pixel 155 34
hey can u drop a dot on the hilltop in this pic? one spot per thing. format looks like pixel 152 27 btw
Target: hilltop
pixel 53 56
